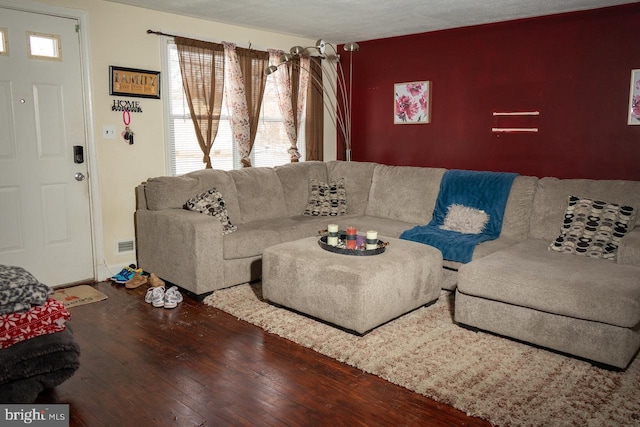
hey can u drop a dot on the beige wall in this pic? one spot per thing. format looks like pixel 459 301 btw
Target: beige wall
pixel 117 36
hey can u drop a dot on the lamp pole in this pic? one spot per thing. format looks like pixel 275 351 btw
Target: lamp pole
pixel 350 47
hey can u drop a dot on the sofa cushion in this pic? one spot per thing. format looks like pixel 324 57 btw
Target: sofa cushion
pixel 326 199
pixel 357 181
pixel 529 275
pixel 170 192
pixel 211 203
pixel 483 249
pixel 593 228
pixel 260 194
pixel 629 249
pixel 517 213
pixel 550 201
pixel 294 180
pixel 404 193
pixel 252 238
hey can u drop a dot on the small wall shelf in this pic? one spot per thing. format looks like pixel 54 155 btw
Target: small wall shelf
pixel 515 122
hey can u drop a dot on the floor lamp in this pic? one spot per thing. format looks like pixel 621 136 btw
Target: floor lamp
pixel 335 87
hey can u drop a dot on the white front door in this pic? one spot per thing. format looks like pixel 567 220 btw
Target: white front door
pixel 45 224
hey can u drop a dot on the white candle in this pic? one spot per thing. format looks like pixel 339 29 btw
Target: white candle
pixel 332 238
pixel 372 240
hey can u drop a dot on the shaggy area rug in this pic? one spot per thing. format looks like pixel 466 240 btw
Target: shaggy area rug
pixel 503 381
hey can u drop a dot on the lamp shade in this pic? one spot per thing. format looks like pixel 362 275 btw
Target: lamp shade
pixel 321 46
pixel 270 70
pixel 286 57
pixel 351 47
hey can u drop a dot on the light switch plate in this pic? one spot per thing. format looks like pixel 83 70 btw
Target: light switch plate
pixel 109 132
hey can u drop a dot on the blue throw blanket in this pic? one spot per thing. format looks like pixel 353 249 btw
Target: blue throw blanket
pixel 487 191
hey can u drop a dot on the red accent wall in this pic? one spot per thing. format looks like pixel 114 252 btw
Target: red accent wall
pixel 574 68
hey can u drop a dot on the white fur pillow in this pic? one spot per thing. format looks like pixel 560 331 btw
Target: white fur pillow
pixel 465 220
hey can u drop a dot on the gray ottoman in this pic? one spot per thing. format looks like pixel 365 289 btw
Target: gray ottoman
pixel 357 293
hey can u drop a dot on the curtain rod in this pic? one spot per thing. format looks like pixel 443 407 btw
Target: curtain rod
pixel 160 33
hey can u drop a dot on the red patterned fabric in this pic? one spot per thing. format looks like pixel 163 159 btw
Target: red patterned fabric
pixel 39 320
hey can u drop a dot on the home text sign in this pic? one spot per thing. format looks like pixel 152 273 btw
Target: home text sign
pixel 124 105
pixel 134 82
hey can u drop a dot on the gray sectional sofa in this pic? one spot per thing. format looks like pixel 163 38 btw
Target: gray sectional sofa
pixel 579 305
pixel 514 285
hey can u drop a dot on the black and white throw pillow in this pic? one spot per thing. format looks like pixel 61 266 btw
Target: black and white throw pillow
pixel 593 228
pixel 211 203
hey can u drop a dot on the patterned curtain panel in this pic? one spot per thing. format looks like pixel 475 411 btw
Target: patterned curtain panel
pixel 292 82
pixel 202 68
pixel 252 64
pixel 283 84
pixel 237 104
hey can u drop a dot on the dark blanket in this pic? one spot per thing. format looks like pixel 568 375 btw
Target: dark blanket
pixel 486 191
pixel 30 366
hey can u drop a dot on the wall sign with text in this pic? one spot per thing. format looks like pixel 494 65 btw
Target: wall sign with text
pixel 134 82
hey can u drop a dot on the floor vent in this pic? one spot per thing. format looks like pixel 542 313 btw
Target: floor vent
pixel 126 246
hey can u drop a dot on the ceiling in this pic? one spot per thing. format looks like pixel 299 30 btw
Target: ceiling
pixel 339 21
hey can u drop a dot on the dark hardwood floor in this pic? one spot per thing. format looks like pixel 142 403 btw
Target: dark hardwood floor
pixel 197 366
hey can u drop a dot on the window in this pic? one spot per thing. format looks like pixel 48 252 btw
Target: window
pixel 183 151
pixel 44 46
pixel 4 42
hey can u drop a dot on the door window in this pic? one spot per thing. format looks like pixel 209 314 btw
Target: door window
pixel 4 43
pixel 44 46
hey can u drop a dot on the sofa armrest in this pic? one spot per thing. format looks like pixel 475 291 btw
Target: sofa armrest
pixel 141 198
pixel 629 248
pixel 182 247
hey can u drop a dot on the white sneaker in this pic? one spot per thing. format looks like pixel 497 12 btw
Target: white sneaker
pixel 172 297
pixel 155 296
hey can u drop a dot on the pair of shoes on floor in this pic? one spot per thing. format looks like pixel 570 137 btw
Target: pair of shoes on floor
pixel 154 281
pixel 137 280
pixel 158 297
pixel 126 274
pixel 140 279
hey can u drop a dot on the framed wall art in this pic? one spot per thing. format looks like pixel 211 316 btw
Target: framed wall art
pixel 134 82
pixel 634 99
pixel 412 103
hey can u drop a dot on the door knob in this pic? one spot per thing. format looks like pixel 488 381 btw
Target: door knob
pixel 79 176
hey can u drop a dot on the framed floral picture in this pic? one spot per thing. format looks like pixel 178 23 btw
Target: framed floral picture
pixel 412 103
pixel 634 99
